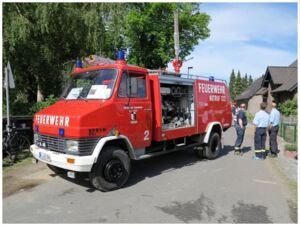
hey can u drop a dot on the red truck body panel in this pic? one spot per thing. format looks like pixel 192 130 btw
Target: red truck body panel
pixel 211 105
pixel 98 118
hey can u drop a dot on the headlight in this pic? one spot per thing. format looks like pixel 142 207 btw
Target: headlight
pixel 72 145
pixel 35 138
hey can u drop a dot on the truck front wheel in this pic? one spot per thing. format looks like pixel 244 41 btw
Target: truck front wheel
pixel 112 169
pixel 212 150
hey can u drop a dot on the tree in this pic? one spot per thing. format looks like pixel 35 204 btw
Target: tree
pixel 250 81
pixel 238 84
pixel 41 40
pixel 289 107
pixel 245 82
pixel 149 32
pixel 232 85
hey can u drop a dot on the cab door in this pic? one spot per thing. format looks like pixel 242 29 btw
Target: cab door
pixel 135 109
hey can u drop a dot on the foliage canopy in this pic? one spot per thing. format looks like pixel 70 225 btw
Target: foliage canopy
pixel 43 40
pixel 288 107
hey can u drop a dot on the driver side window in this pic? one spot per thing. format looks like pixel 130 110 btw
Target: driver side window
pixel 133 86
pixel 123 92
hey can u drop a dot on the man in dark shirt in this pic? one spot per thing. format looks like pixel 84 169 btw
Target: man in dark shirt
pixel 241 122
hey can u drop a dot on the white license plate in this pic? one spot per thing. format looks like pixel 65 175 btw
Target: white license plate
pixel 44 156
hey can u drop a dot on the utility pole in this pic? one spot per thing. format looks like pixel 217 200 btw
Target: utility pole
pixel 7 100
pixel 9 83
pixel 176 35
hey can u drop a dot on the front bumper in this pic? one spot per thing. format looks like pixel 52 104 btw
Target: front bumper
pixel 81 163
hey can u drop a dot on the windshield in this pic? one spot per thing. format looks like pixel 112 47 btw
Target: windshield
pixel 91 85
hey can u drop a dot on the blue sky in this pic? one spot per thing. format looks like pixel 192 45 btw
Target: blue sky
pixel 246 37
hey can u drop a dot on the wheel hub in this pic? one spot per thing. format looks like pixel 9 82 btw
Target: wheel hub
pixel 113 170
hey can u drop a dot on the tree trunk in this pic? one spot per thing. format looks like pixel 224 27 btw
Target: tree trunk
pixel 40 96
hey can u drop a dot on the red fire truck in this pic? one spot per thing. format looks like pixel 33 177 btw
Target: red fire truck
pixel 113 113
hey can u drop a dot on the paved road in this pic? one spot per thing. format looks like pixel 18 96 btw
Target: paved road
pixel 175 188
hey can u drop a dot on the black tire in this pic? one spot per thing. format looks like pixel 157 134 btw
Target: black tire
pixel 212 150
pixel 18 143
pixel 56 169
pixel 112 169
pixel 4 145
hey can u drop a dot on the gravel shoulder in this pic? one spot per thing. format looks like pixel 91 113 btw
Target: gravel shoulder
pixel 285 169
pixel 24 175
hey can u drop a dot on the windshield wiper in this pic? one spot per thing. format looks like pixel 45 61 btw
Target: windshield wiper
pixel 83 98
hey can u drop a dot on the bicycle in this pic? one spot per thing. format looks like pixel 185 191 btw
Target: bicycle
pixel 14 143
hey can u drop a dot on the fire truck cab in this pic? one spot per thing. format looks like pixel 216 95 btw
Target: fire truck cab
pixel 113 113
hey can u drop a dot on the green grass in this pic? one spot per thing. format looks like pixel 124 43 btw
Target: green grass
pixel 23 160
pixel 250 117
pixel 290 147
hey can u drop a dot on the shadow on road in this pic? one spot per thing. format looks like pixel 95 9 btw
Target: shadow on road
pixel 81 179
pixel 152 167
pixel 146 168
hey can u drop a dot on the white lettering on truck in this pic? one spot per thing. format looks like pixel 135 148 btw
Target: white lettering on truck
pixel 52 120
pixel 211 88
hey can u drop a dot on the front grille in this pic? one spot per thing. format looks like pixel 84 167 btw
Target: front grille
pixel 87 145
pixel 58 144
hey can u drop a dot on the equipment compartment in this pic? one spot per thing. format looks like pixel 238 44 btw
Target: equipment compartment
pixel 177 106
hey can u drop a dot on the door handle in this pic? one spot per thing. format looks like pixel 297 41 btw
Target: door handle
pixel 147 109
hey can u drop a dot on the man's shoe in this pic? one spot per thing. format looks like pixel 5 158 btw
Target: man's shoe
pixel 236 150
pixel 272 155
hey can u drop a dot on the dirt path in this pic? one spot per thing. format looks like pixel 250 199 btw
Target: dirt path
pixel 23 176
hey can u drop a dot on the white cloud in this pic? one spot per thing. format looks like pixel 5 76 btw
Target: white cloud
pixel 248 59
pixel 245 37
pixel 245 22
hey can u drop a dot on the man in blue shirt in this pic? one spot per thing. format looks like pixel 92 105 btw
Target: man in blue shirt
pixel 261 122
pixel 273 130
pixel 240 126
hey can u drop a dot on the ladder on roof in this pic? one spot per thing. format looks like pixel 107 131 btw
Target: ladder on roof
pixel 183 75
pixel 96 60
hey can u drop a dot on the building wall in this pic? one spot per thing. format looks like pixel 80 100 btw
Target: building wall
pixel 254 104
pixel 270 98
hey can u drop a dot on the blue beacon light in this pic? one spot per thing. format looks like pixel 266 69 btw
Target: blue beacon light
pixel 120 55
pixel 78 63
pixel 211 78
pixel 61 132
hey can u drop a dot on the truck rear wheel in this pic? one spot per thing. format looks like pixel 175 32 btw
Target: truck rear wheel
pixel 111 170
pixel 212 150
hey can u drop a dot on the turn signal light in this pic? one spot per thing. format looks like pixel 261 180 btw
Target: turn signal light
pixel 71 161
pixel 117 133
